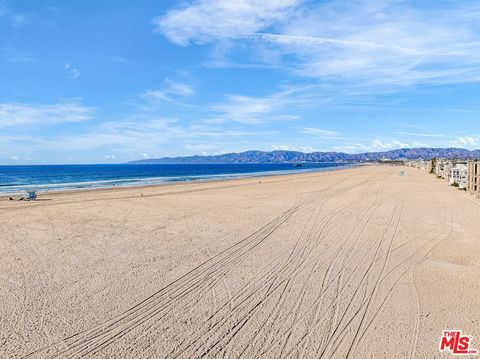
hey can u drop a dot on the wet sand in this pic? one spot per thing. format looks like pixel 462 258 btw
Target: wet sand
pixel 358 263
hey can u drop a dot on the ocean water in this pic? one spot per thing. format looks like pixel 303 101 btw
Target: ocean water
pixel 17 179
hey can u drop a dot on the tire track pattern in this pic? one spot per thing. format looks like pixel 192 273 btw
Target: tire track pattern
pixel 320 294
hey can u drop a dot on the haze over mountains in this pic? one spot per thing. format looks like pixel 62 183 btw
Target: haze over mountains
pixel 298 157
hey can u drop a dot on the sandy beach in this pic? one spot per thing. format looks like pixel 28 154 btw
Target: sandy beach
pixel 357 263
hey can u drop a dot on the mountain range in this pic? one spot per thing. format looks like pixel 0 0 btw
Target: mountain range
pixel 315 157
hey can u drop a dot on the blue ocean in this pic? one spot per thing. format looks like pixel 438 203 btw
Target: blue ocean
pixel 16 179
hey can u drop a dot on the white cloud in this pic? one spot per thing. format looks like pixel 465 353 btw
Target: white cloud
pixel 14 158
pixel 376 146
pixel 141 136
pixel 155 95
pixel 23 114
pixel 258 110
pixel 466 142
pixel 122 60
pixel 171 89
pixel 299 40
pixel 306 149
pixel 363 45
pixel 319 132
pixel 384 43
pixel 420 134
pixel 207 20
pixel 73 71
pixel 245 109
pixel 281 148
pixel 379 145
pixel 134 135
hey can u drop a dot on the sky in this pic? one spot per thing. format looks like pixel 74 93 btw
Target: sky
pixel 113 81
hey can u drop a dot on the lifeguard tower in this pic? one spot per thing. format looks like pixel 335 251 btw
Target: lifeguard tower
pixel 31 195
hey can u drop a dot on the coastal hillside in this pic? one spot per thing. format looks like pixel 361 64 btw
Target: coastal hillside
pixel 295 157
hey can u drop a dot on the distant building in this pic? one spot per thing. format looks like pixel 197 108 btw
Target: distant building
pixel 473 177
pixel 421 164
pixel 454 171
pixel 458 174
pixel 442 168
pixel 465 174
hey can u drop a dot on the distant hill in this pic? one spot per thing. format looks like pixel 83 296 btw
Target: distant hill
pixel 314 157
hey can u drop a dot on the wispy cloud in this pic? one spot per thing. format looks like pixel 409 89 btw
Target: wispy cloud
pixel 301 40
pixel 22 114
pixel 72 71
pixel 170 90
pixel 245 109
pixel 420 134
pixel 256 110
pixel 209 20
pixel 122 60
pixel 144 135
pixel 385 43
pixel 380 45
pixel 466 142
pixel 14 55
pixel 16 18
pixel 376 145
pixel 319 132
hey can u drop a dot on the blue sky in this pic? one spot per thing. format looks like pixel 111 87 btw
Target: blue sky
pixel 112 81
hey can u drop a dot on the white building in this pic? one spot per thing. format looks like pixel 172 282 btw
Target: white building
pixel 458 174
pixel 442 168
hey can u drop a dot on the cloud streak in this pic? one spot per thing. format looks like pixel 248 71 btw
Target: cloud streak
pixel 171 89
pixel 24 114
pixel 209 20
pixel 319 132
pixel 73 72
pixel 376 145
pixel 468 142
pixel 380 45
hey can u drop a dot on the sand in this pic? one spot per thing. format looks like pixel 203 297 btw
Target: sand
pixel 357 263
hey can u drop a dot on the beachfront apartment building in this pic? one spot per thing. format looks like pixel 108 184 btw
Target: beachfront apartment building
pixel 458 174
pixel 454 171
pixel 466 174
pixel 442 168
pixel 435 165
pixel 473 177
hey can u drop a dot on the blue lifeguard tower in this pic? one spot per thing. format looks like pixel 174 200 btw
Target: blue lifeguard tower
pixel 31 195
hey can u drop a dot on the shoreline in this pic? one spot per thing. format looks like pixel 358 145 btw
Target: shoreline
pixel 158 190
pixel 165 181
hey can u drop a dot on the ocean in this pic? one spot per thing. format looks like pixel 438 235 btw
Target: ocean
pixel 17 179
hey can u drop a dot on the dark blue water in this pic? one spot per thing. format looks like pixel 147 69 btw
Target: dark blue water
pixel 14 179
